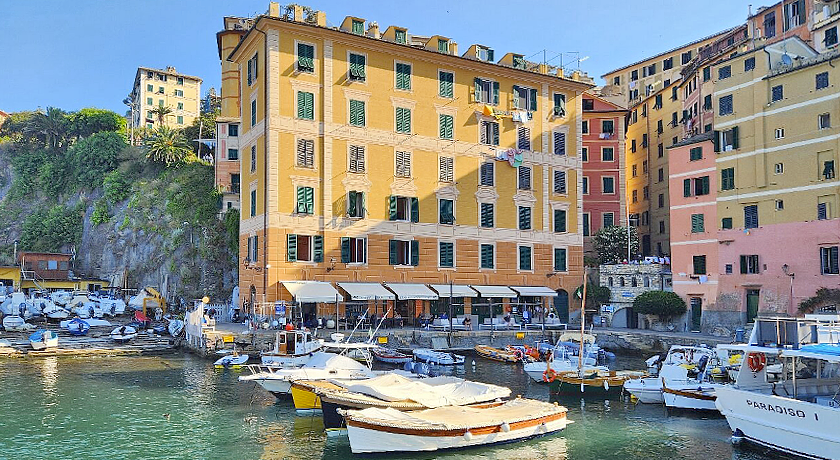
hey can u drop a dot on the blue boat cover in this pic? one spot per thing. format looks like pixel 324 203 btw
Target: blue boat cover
pixel 823 348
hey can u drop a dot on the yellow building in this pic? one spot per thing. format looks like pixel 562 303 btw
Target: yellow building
pixel 165 87
pixel 382 156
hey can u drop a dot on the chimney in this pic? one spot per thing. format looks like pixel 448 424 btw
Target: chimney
pixel 320 19
pixel 298 12
pixel 576 75
pixel 560 72
pixel 543 69
pixel 453 48
pixel 273 9
pixel 373 29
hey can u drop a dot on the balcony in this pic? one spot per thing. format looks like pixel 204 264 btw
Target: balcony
pixel 826 13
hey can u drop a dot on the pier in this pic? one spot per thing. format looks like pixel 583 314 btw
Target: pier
pixel 96 343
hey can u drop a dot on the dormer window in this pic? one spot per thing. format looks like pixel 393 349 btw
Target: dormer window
pixel 358 27
pixel 400 36
pixel 484 53
pixel 519 62
pixel 443 46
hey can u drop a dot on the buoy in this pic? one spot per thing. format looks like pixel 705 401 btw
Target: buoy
pixel 468 436
pixel 505 427
pixel 581 387
pixel 473 363
pixel 606 385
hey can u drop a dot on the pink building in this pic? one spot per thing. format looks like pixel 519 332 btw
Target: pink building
pixel 694 245
pixel 603 157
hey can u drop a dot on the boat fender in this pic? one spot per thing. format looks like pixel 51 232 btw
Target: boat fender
pixel 549 375
pixel 606 385
pixel 468 436
pixel 581 387
pixel 756 361
pixel 505 427
pixel 408 366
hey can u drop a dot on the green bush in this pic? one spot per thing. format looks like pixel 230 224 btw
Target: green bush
pixel 89 121
pixel 50 230
pixel 101 212
pixel 232 229
pixel 191 195
pixel 116 187
pixel 664 304
pixel 96 156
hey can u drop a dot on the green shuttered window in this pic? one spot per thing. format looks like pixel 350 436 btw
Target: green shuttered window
pixel 697 223
pixel 447 126
pixel 560 220
pixel 447 214
pixel 357 67
pixel 445 84
pixel 403 120
pixel 727 179
pixel 525 258
pixel 524 217
pixel 486 258
pixel 447 254
pixel 560 260
pixel 306 57
pixel 403 76
pixel 487 215
pixel 357 113
pixel 305 105
pixel 305 200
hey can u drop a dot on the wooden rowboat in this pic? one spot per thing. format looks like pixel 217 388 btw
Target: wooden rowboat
pixel 596 383
pixel 495 354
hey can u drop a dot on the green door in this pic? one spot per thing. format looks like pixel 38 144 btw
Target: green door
pixel 752 304
pixel 696 313
pixel 561 305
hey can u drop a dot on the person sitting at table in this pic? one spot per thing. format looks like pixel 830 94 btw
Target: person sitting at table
pixel 468 323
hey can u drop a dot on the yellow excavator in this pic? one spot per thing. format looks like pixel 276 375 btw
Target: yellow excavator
pixel 153 299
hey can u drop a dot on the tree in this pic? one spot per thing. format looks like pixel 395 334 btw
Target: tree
pixel 96 156
pixel 595 295
pixel 664 304
pixel 611 244
pixel 50 126
pixel 89 121
pixel 824 297
pixel 166 145
pixel 203 127
pixel 161 112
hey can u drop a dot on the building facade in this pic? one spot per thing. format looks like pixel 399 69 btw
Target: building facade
pixel 165 88
pixel 826 21
pixel 602 154
pixel 626 282
pixel 382 156
pixel 784 19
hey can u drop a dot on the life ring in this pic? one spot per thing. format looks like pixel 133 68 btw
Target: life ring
pixel 756 361
pixel 517 353
pixel 549 375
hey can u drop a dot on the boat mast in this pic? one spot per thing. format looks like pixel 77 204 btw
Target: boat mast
pixel 582 322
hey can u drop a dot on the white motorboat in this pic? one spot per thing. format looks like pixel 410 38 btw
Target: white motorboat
pixel 15 304
pixel 680 364
pixel 561 360
pixel 91 322
pixel 291 349
pixel 55 312
pixel 14 323
pixel 376 430
pixel 322 365
pixel 43 339
pixel 123 334
pixel 111 307
pixel 690 395
pixel 61 298
pixel 430 356
pixel 798 410
pixel 232 361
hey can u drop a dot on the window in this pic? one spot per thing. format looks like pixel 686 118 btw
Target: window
pixel 484 54
pixel 355 204
pixel 749 264
pixel 353 250
pixel 794 14
pixel 674 121
pixel 402 161
pixel 253 203
pixel 633 145
pixel 524 98
pixel 607 126
pixel 635 170
pixel 726 141
pixel 586 231
pixel 357 27
pixel 770 25
pixel 489 133
pixel 701 185
pixel 725 105
pixel 661 150
pixel 161 90
pixel 824 121
pixel 727 179
pixel 253 158
pixel 446 125
pixel 356 161
pixel 699 265
pixel 486 256
pixel 180 106
pixel 560 256
pixel 830 37
pixel 560 221
pixel 487 215
pixel 524 217
pixel 446 254
pixel 822 211
pixel 661 174
pixel 400 36
pixel 233 154
pixel 659 128
pixel 634 75
pixel 253 248
pixel 179 93
pixel 751 216
pixel 403 120
pixel 635 196
pixel 305 200
pixel 707 102
pixel 559 105
pixel 585 185
pixel 728 269
pixel 559 182
pixel 233 130
pixel 616 81
pixel 486 91
pixel 584 127
pixel 403 208
pixel 749 64
pixel 559 143
pixel 661 226
pixel 584 154
pixel 524 178
pixel 404 252
pixel 685 58
pixel 668 64
pixel 179 120
pixel 443 46
pixel 661 200
pixel 828 169
pixel 779 168
pixel 446 212
pixel 780 205
pixel 525 258
pixel 150 88
pixel 696 153
pixel 305 105
pixel 726 223
pixel 724 72
pixel 446 82
pixel 252 69
pixel 306 153
pixel 486 175
pixel 306 58
pixel 356 71
pixel 645 166
pixel 446 169
pixel 357 113
pixel 609 219
pixel 649 70
pixel 828 261
pixel 646 192
pixel 707 73
pixel 697 223
pixel 607 154
pixel 780 133
pixel 608 184
pixel 588 104
pixel 403 76
pixel 822 80
pixel 658 104
pixel 523 138
pixel 777 93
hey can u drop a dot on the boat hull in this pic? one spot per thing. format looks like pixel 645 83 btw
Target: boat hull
pixel 284 361
pixel 560 388
pixel 647 391
pixel 784 424
pixel 43 345
pixel 364 439
pixel 305 400
pixel 689 399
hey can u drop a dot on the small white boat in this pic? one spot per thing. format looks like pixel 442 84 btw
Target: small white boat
pixel 561 360
pixel 91 322
pixel 291 349
pixel 376 430
pixel 175 327
pixel 111 307
pixel 43 339
pixel 681 366
pixel 77 326
pixel 233 361
pixel 55 312
pixel 123 334
pixel 430 356
pixel 14 323
pixel 322 365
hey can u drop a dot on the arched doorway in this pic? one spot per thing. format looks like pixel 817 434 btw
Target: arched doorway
pixel 561 305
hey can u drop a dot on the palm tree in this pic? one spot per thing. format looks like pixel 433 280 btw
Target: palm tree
pixel 161 112
pixel 51 126
pixel 167 145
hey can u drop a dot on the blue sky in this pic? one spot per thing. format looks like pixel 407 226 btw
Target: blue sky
pixel 84 53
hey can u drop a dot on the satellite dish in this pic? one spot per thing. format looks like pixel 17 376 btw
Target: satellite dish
pixel 786 60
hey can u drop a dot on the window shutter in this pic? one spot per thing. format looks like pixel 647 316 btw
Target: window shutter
pixel 523 138
pixel 301 200
pixel 393 247
pixel 734 137
pixel 559 260
pixel 317 248
pixel 392 208
pixel 533 98
pixel 743 264
pixel 300 104
pixel 482 133
pixel 310 200
pixel 362 207
pixel 687 187
pixel 415 209
pixel 250 78
pixel 291 247
pixel 524 218
pixel 495 133
pixel 301 152
pixel 477 89
pixel 351 203
pixel 559 143
pixel 496 94
pixel 415 253
pixel 560 182
pixel 524 178
pixel 345 250
pixel 559 221
pixel 516 97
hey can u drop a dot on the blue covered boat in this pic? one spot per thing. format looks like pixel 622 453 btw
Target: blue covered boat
pixel 43 339
pixel 78 326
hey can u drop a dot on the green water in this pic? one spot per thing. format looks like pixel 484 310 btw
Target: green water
pixel 114 408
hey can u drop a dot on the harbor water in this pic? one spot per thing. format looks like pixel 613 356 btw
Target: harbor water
pixel 180 407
